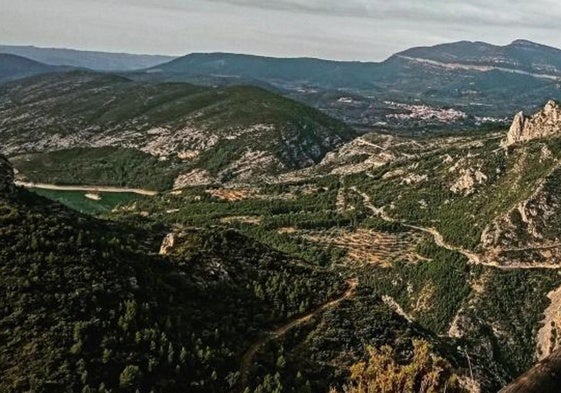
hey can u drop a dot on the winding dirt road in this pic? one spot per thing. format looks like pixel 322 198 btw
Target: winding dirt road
pixel 249 355
pixel 54 187
pixel 472 257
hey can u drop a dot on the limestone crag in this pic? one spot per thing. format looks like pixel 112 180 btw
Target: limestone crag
pixel 545 123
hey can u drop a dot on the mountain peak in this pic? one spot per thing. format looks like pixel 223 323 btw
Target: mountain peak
pixel 522 42
pixel 545 123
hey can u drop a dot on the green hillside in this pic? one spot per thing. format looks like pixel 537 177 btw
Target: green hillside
pixel 458 233
pixel 175 129
pixel 121 317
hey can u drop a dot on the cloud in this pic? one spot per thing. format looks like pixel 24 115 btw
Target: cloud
pixel 342 29
pixel 539 14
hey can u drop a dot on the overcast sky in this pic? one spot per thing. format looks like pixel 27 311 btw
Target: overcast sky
pixel 333 29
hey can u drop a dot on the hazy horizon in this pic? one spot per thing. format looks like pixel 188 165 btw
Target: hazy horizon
pixel 124 52
pixel 356 30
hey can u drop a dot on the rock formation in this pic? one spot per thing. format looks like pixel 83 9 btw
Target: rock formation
pixel 167 244
pixel 545 123
pixel 6 175
pixel 467 182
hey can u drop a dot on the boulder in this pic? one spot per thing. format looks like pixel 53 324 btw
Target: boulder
pixel 167 244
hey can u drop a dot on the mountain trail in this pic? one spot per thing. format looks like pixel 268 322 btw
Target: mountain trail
pixel 249 355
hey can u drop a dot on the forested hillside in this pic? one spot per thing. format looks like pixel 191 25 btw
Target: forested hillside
pixel 457 234
pixel 91 306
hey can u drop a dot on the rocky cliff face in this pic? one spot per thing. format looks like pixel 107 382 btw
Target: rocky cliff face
pixel 6 176
pixel 545 123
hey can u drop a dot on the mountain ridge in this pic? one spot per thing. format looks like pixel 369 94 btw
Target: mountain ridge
pixel 482 80
pixel 95 60
pixel 515 55
pixel 185 133
pixel 16 67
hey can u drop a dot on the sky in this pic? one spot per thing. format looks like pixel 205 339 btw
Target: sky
pixel 366 30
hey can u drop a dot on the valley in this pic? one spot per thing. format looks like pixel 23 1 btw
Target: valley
pixel 304 229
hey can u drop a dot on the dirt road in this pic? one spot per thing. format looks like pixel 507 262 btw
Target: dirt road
pixel 249 355
pixel 55 187
pixel 472 257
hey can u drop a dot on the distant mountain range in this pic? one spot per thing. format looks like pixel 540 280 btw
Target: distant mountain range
pixel 98 61
pixel 468 74
pixel 15 67
pixel 520 57
pixel 483 82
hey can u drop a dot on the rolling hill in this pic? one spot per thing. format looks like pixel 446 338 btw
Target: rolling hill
pixel 15 67
pixel 126 306
pixel 99 61
pixel 91 128
pixel 479 79
pixel 274 71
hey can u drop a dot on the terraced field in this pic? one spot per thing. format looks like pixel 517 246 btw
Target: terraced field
pixel 366 246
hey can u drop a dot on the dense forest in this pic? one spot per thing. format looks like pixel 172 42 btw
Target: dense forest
pixel 92 306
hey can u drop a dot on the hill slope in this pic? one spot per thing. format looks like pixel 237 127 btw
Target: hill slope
pixel 518 56
pixel 479 79
pixel 90 305
pixel 99 61
pixel 175 131
pixel 15 67
pixel 459 234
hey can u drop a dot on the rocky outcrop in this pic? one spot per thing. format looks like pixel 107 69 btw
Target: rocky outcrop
pixel 197 177
pixel 466 183
pixel 167 243
pixel 545 123
pixel 6 176
pixel 528 234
